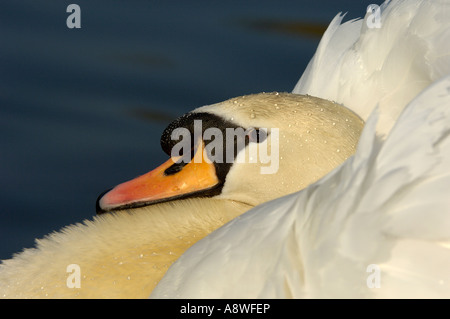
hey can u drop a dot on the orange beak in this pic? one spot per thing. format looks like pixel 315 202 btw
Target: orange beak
pixel 162 184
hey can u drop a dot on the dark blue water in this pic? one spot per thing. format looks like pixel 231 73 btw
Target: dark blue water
pixel 82 110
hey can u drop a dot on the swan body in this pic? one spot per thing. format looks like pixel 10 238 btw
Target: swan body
pixel 119 255
pixel 124 253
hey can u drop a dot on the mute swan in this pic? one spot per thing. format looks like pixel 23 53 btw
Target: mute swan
pixel 378 226
pixel 124 254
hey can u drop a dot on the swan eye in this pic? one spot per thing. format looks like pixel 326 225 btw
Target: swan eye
pixel 256 135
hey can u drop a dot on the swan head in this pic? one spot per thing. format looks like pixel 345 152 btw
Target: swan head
pixel 250 149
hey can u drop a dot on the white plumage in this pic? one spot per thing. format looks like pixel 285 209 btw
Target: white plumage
pixel 361 66
pixel 378 226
